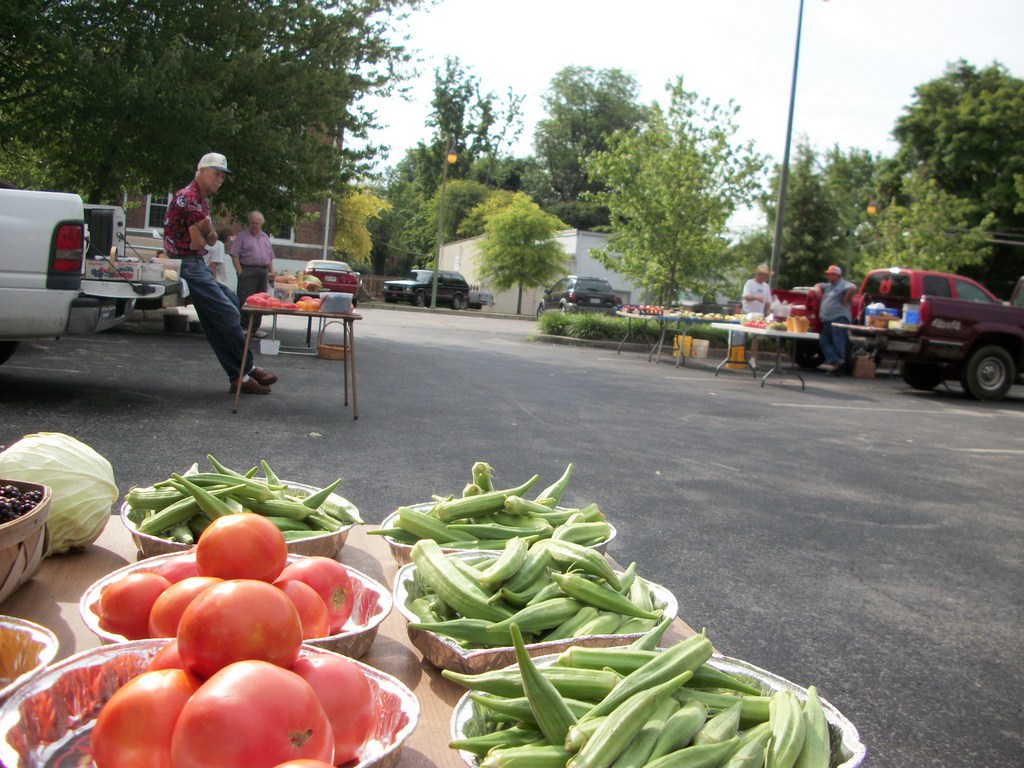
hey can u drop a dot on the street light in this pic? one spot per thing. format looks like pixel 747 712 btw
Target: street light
pixel 450 158
pixel 777 242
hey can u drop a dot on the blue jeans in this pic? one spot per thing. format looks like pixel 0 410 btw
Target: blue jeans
pixel 219 315
pixel 833 342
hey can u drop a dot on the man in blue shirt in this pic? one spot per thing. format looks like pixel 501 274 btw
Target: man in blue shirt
pixel 836 298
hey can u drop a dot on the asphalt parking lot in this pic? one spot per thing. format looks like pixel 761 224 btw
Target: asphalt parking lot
pixel 857 535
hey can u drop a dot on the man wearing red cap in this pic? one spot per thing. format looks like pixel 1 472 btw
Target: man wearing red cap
pixel 836 298
pixel 188 229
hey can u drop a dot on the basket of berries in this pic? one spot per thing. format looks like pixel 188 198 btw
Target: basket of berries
pixel 23 534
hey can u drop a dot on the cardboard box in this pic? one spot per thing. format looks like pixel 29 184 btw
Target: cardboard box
pixel 863 367
pixel 101 269
pixel 284 291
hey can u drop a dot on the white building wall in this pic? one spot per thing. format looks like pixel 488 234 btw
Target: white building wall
pixel 463 255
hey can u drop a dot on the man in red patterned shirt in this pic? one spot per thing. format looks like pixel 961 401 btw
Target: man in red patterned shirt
pixel 188 229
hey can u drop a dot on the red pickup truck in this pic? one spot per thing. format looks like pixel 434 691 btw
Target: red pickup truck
pixel 978 342
pixel 892 287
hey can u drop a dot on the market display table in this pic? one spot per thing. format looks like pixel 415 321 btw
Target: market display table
pixel 51 599
pixel 682 325
pixel 789 337
pixel 348 321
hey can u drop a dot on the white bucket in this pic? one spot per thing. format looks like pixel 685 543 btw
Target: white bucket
pixel 269 346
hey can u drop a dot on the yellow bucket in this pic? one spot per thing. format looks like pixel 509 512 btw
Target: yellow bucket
pixel 737 357
pixel 687 343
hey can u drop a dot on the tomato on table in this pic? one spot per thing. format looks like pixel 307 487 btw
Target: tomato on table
pixel 125 604
pixel 242 546
pixel 311 607
pixel 346 696
pixel 172 602
pixel 331 581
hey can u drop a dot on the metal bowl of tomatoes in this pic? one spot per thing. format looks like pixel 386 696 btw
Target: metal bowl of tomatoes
pixel 49 720
pixel 372 602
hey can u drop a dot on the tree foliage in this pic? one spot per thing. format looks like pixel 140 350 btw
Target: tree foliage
pixel 670 187
pixel 104 96
pixel 352 212
pixel 519 249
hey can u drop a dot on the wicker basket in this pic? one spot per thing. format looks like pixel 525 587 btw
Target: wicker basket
pixel 23 542
pixel 327 351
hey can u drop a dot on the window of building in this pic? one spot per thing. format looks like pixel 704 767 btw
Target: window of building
pixel 156 209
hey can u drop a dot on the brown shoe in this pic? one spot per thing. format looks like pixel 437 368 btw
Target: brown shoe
pixel 263 376
pixel 250 387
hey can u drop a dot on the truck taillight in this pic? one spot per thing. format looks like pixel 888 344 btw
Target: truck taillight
pixel 68 248
pixel 572 295
pixel 926 311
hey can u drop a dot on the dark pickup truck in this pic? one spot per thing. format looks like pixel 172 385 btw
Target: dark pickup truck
pixel 977 342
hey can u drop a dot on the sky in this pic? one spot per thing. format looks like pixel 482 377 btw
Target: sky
pixel 860 60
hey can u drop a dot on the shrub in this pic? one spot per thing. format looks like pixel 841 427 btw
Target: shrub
pixel 553 324
pixel 591 326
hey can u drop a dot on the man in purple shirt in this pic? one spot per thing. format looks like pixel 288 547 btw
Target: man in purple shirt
pixel 253 257
pixel 188 229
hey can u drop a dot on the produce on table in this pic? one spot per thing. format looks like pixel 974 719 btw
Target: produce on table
pixel 556 590
pixel 81 482
pixel 329 580
pixel 486 518
pixel 181 507
pixel 254 701
pixel 649 708
pixel 15 502
pixel 125 606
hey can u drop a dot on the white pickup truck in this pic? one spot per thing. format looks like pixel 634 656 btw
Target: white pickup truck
pixel 45 291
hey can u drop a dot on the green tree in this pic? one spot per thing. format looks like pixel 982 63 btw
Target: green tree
pixel 519 249
pixel 963 130
pixel 113 95
pixel 352 212
pixel 671 187
pixel 584 107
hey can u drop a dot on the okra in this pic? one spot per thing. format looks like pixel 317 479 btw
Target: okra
pixel 508 562
pixel 528 756
pixel 548 591
pixel 697 756
pixel 552 714
pixel 650 639
pixel 622 724
pixel 486 531
pixel 208 502
pixel 322 522
pixel 471 489
pixel 422 609
pixel 586 559
pixel 571 626
pixel 539 617
pixel 684 656
pixel 451 585
pixel 639 593
pixel 272 478
pixel 276 507
pixel 605 623
pixel 423 525
pixel 623 659
pixel 524 596
pixel 501 739
pixel 398 534
pixel 516 709
pixel 472 506
pixel 526 524
pixel 288 523
pixel 639 750
pixel 477 632
pixel 584 684
pixel 816 751
pixel 179 512
pixel 580 733
pixel 533 566
pixel 754 709
pixel 150 498
pixel 627 577
pixel 591 593
pixel 788 730
pixel 582 533
pixel 707 676
pixel 182 534
pixel 679 729
pixel 256 489
pixel 316 500
pixel 753 743
pixel 556 489
pixel 299 535
pixel 482 476
pixel 634 625
pixel 720 726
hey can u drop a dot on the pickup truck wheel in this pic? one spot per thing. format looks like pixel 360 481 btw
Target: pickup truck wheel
pixel 420 299
pixel 6 350
pixel 457 301
pixel 921 375
pixel 988 373
pixel 808 355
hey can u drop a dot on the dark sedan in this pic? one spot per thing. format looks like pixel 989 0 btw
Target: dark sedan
pixel 580 294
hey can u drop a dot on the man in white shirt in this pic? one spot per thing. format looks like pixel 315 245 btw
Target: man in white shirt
pixel 757 297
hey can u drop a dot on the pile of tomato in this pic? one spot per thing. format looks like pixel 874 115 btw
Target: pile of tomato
pixel 230 688
pixel 263 299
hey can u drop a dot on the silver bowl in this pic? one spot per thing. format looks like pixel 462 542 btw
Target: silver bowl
pixel 403 552
pixel 847 749
pixel 26 648
pixel 324 545
pixel 372 605
pixel 47 721
pixel 445 653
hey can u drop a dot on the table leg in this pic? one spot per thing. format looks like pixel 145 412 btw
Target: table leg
pixel 629 332
pixel 680 357
pixel 352 351
pixel 344 359
pixel 245 356
pixel 656 351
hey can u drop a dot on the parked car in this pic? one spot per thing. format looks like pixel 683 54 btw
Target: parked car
pixel 579 294
pixel 417 289
pixel 335 276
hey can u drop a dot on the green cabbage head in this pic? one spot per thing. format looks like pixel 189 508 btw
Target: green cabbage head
pixel 81 484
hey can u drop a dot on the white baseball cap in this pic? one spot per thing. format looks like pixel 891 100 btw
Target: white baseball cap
pixel 213 160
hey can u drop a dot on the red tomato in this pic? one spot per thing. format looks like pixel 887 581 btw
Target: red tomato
pixel 347 698
pixel 304 764
pixel 311 607
pixel 172 602
pixel 288 305
pixel 166 658
pixel 125 604
pixel 252 714
pixel 331 581
pixel 237 620
pixel 179 567
pixel 242 546
pixel 135 727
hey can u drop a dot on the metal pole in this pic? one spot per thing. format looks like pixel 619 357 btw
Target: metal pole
pixel 780 208
pixel 449 153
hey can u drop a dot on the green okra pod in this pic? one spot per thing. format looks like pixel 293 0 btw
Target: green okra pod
pixel 720 727
pixel 482 472
pixel 650 639
pixel 506 737
pixel 527 756
pixel 554 492
pixel 754 709
pixel 786 718
pixel 539 617
pixel 571 627
pixel 516 709
pixel 576 556
pixel 474 632
pixel 315 500
pixel 482 503
pixel 679 728
pixel 816 751
pixel 697 756
pixel 591 593
pixel 639 749
pixel 424 525
pixel 750 753
pixel 553 715
pixel 508 562
pixel 583 684
pixel 452 585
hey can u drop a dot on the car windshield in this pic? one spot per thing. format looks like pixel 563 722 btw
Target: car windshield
pixel 594 284
pixel 421 275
